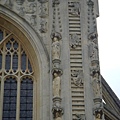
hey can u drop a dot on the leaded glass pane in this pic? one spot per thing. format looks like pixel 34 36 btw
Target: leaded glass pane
pixel 23 62
pixel 1 35
pixel 15 62
pixel 8 62
pixel 9 103
pixel 26 99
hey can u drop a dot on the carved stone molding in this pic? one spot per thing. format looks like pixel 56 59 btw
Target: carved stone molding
pixel 43 26
pixel 77 77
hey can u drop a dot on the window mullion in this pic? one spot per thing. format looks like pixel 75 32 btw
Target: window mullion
pixel 2 95
pixel 18 100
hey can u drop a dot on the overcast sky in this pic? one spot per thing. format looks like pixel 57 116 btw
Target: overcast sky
pixel 109 42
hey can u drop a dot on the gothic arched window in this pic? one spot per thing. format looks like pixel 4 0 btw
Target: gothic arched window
pixel 16 79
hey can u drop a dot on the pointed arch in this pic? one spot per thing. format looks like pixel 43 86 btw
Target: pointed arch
pixel 16 27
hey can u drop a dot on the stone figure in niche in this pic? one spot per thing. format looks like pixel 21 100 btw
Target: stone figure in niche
pixel 74 40
pixel 43 11
pixel 96 85
pixel 93 47
pixel 31 8
pixel 43 26
pixel 56 50
pixel 75 9
pixel 33 20
pixel 95 73
pixel 8 3
pixel 56 84
pixel 77 77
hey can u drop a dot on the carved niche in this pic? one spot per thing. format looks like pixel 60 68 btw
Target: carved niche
pixel 75 10
pixel 77 77
pixel 74 40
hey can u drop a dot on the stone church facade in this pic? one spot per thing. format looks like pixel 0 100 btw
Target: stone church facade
pixel 49 62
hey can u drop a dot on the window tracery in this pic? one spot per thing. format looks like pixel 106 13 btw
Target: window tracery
pixel 16 81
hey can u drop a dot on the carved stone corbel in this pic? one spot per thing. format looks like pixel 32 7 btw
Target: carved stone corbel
pixel 98 108
pixel 57 110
